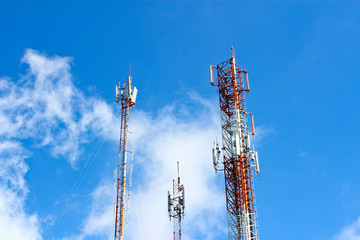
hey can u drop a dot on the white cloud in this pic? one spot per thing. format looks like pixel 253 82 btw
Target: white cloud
pixel 47 108
pixel 351 232
pixel 101 216
pixel 14 222
pixel 99 223
pixel 45 105
pixel 170 139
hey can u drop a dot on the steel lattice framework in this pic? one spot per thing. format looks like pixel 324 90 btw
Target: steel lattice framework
pixel 176 205
pixel 127 96
pixel 239 161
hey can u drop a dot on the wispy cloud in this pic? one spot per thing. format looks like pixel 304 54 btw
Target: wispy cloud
pixel 15 223
pixel 99 222
pixel 262 132
pixel 169 139
pixel 351 232
pixel 45 105
pixel 302 153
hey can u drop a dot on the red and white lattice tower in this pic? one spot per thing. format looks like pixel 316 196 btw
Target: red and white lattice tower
pixel 176 205
pixel 240 161
pixel 127 96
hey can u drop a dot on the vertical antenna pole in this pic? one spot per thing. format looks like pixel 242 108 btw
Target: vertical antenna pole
pixel 126 95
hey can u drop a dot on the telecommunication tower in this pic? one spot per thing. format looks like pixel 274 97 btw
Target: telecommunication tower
pixel 127 96
pixel 239 161
pixel 176 205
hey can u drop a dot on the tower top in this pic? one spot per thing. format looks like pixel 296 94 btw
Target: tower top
pixel 178 171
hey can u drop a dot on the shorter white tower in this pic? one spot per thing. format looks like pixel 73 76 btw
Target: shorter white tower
pixel 176 205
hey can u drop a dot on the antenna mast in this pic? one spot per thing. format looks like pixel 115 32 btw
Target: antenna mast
pixel 176 205
pixel 240 162
pixel 127 96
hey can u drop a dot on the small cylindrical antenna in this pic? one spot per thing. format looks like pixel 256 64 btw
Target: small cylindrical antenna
pixel 211 75
pixel 247 80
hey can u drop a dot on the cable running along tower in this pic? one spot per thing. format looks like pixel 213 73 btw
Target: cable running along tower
pixel 176 205
pixel 239 161
pixel 127 96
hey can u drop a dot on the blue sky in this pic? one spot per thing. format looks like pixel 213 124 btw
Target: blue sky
pixel 59 125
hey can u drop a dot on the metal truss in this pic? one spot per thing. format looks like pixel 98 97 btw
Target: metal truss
pixel 232 83
pixel 176 205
